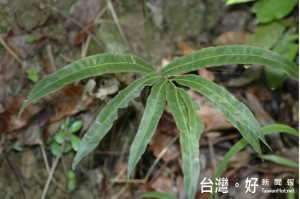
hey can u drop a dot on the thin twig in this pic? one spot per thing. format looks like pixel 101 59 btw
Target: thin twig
pixel 88 40
pixel 66 58
pixel 50 56
pixel 213 157
pixel 120 193
pixel 224 138
pixel 85 46
pixel 161 154
pixel 147 27
pixel 52 171
pixel 159 171
pixel 117 177
pixel 11 51
pixel 76 23
pixel 116 153
pixel 114 15
pixel 142 181
pixel 44 156
pixel 48 168
pixel 117 180
pixel 16 174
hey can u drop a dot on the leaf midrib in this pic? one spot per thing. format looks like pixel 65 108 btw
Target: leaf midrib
pixel 139 146
pixel 115 107
pixel 188 132
pixel 219 104
pixel 190 109
pixel 85 68
pixel 181 111
pixel 225 55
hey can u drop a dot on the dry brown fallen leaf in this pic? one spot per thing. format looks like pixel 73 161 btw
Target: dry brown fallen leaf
pixel 231 38
pixel 9 120
pixel 67 101
pixel 206 73
pixel 241 159
pixel 82 35
pixel 211 118
pixel 119 167
pixel 85 12
pixel 184 47
pixel 8 70
pixel 64 102
pixel 9 67
pixel 16 39
pixel 164 184
pixel 159 141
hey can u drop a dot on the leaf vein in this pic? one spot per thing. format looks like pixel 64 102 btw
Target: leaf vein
pixel 116 107
pixel 153 110
pixel 85 68
pixel 220 104
pixel 225 55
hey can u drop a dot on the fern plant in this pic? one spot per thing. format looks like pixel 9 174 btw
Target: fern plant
pixel 164 90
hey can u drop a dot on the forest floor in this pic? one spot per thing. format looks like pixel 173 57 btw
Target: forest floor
pixel 40 37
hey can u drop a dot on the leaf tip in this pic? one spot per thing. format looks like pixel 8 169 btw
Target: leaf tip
pixel 22 108
pixel 74 164
pixel 19 114
pixel 266 143
pixel 76 161
pixel 128 173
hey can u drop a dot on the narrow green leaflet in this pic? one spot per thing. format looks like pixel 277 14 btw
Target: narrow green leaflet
pixel 194 121
pixel 89 66
pixel 280 160
pixel 233 110
pixel 104 120
pixel 273 128
pixel 269 10
pixel 154 108
pixel 190 126
pixel 189 143
pixel 177 107
pixel 189 148
pixel 233 54
pixel 231 2
pixel 155 194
